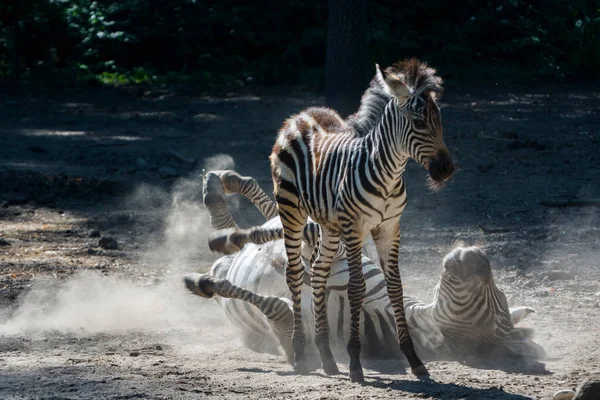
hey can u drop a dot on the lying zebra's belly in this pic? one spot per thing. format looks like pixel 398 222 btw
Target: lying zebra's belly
pixel 261 269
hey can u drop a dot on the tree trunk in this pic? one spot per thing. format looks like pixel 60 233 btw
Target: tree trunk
pixel 346 70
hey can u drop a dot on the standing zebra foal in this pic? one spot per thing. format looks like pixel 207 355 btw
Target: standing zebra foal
pixel 347 176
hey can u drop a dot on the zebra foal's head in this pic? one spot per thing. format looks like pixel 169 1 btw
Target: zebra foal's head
pixel 417 89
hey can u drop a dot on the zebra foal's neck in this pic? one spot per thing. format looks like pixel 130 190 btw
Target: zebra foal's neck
pixel 372 106
pixel 385 157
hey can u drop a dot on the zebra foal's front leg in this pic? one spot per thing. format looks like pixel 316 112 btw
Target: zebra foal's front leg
pixel 294 220
pixel 387 242
pixel 321 268
pixel 356 296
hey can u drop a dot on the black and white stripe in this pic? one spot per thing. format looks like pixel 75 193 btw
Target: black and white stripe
pixel 347 176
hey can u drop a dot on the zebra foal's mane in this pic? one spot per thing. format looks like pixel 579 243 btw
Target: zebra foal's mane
pixel 417 75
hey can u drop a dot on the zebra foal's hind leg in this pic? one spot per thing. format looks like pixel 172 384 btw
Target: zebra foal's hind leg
pixel 387 241
pixel 321 267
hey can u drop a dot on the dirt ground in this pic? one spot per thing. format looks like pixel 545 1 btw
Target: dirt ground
pixel 80 321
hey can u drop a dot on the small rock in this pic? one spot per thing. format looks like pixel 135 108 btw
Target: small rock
pixel 108 243
pixel 94 233
pixel 134 354
pixel 91 251
pixel 167 172
pixel 4 204
pixel 4 243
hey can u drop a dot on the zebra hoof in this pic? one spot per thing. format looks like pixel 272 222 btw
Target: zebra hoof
pixel 564 395
pixel 420 371
pixel 356 376
pixel 199 284
pixel 226 241
pixel 330 367
pixel 301 368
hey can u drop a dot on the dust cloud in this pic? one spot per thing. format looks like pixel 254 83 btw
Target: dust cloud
pixel 90 303
pixel 219 161
pixel 150 297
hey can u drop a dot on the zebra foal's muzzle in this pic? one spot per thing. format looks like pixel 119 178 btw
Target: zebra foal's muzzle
pixel 441 166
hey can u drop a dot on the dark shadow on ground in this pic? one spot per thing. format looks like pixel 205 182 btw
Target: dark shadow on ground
pixel 421 388
pixel 88 381
pixel 436 390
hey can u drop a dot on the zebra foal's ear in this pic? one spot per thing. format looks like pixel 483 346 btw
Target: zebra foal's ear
pixel 392 84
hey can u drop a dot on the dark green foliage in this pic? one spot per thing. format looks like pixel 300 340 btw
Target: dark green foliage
pixel 136 41
pixel 530 38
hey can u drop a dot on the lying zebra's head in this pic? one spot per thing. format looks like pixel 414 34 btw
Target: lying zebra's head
pixel 467 293
pixel 473 313
pixel 417 89
pixel 467 265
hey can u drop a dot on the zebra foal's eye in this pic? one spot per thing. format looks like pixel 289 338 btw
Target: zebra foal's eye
pixel 419 123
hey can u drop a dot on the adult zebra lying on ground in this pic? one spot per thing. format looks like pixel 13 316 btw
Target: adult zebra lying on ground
pixel 250 286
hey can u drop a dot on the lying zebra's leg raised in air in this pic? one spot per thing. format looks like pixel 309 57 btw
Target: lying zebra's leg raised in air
pixel 232 240
pixel 276 310
pixel 221 182
pixel 229 239
pixel 213 197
